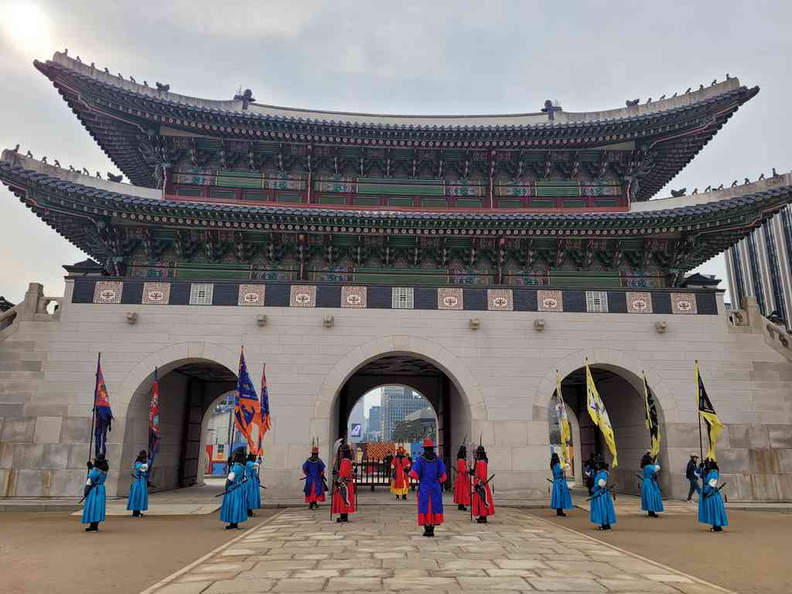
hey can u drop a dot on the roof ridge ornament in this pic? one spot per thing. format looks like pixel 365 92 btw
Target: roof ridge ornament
pixel 550 107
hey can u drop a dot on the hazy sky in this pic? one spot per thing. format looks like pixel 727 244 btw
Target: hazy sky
pixel 433 56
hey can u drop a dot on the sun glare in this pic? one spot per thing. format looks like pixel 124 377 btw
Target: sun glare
pixel 27 29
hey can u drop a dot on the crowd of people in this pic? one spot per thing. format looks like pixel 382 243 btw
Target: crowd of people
pixel 471 491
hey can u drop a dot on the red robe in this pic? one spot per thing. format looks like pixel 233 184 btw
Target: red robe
pixel 480 476
pixel 462 484
pixel 400 481
pixel 339 506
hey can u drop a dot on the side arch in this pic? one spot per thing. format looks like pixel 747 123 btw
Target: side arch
pixel 170 358
pixel 616 361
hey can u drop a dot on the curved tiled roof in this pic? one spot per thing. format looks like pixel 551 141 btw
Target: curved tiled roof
pixel 81 213
pixel 119 114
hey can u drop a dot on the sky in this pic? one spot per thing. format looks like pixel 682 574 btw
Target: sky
pixel 433 56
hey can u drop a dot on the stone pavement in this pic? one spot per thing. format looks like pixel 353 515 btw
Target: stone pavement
pixel 382 550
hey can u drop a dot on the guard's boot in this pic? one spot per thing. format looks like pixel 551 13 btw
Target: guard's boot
pixel 461 507
pixel 232 526
pixel 251 514
pixel 94 527
pixel 427 533
pixel 404 497
pixel 653 515
pixel 135 513
pixel 717 528
pixel 606 526
pixel 481 520
pixel 560 513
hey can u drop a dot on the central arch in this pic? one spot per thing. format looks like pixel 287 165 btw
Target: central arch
pixel 415 362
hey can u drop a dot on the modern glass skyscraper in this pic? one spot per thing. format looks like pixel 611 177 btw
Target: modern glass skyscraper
pixel 397 403
pixel 761 266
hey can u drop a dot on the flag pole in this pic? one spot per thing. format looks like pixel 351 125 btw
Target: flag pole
pixel 698 414
pixel 93 408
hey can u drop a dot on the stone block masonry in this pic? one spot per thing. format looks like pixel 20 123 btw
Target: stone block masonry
pixel 501 376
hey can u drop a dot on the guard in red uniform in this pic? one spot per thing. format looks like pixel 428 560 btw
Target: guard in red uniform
pixel 483 506
pixel 400 478
pixel 462 483
pixel 430 471
pixel 343 502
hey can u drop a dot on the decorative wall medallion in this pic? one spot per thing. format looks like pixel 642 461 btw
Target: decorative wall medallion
pixel 353 297
pixel 448 298
pixel 550 301
pixel 683 303
pixel 108 292
pixel 156 293
pixel 303 296
pixel 639 303
pixel 251 295
pixel 500 299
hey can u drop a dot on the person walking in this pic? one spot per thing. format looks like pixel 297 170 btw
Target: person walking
pixel 651 498
pixel 94 493
pixel 560 498
pixel 711 509
pixel 589 471
pixel 692 475
pixel 137 502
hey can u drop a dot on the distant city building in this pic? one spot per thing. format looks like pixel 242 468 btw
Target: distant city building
pixel 397 403
pixel 373 428
pixel 761 266
pixel 355 429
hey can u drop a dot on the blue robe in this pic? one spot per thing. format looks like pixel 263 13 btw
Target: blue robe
pixel 651 498
pixel 602 510
pixel 560 499
pixel 314 487
pixel 430 475
pixel 253 485
pixel 234 508
pixel 138 492
pixel 95 502
pixel 711 509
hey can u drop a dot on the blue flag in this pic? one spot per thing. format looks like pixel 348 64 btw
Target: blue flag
pixel 247 409
pixel 103 416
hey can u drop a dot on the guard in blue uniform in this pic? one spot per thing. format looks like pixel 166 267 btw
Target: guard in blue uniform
pixel 711 508
pixel 253 484
pixel 602 511
pixel 651 498
pixel 560 498
pixel 94 493
pixel 430 472
pixel 234 508
pixel 138 492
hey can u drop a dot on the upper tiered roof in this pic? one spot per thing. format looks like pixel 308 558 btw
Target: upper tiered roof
pixel 124 116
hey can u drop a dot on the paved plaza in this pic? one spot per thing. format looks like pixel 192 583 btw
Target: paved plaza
pixel 381 549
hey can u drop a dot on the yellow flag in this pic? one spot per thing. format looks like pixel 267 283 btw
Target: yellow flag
pixel 707 412
pixel 563 421
pixel 652 421
pixel 599 415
